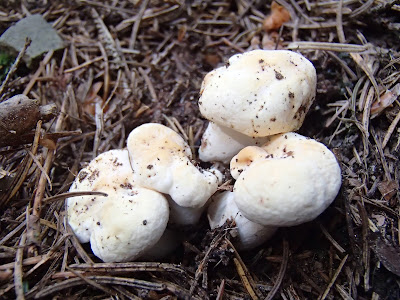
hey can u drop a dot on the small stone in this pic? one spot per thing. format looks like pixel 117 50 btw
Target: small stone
pixel 44 38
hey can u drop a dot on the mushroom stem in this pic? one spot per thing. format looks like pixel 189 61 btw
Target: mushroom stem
pixel 220 143
pixel 248 234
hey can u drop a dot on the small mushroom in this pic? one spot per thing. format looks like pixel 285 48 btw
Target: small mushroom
pixel 257 94
pixel 293 182
pixel 249 234
pixel 126 223
pixel 161 161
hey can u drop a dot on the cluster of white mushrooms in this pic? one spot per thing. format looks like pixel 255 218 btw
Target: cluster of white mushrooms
pixel 253 104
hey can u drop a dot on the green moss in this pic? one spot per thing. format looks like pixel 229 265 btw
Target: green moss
pixel 6 62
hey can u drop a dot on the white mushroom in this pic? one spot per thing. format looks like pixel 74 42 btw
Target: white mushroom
pixel 249 234
pixel 124 224
pixel 294 182
pixel 258 93
pixel 161 160
pixel 130 223
pixel 109 170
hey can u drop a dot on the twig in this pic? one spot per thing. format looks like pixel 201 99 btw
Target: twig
pixel 339 22
pixel 33 223
pixel 282 271
pixel 244 273
pixel 85 64
pixel 129 267
pixel 244 279
pixel 71 194
pixel 78 247
pixel 149 84
pixel 221 290
pixel 339 269
pixel 141 284
pixel 136 25
pixel 390 130
pixel 19 288
pixel 331 239
pixel 92 282
pixel 337 47
pixel 39 71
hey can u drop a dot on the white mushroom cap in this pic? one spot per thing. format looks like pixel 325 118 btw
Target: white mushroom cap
pixel 259 93
pixel 130 223
pixel 160 159
pixel 220 143
pixel 110 170
pixel 294 184
pixel 250 234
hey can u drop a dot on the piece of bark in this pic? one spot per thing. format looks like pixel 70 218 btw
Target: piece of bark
pixel 19 115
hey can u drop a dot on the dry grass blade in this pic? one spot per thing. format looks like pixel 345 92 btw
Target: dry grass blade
pixel 334 277
pixel 282 270
pixel 129 267
pixel 141 284
pixel 72 194
pixel 19 287
pixel 244 274
pixel 335 47
pixel 331 239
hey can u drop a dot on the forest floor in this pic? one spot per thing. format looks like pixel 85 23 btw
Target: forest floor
pixel 131 62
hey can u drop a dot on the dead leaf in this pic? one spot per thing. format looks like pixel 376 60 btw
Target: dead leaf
pixel 276 18
pixel 271 40
pixel 388 188
pixel 92 97
pixel 385 100
pixel 387 254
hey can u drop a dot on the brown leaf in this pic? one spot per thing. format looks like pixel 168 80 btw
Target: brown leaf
pixel 276 18
pixel 388 188
pixel 387 254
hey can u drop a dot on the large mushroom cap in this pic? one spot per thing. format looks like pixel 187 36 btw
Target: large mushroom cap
pixel 293 184
pixel 260 93
pixel 130 223
pixel 160 159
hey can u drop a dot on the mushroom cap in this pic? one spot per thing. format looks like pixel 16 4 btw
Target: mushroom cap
pixel 130 223
pixel 259 93
pixel 160 159
pixel 250 234
pixel 294 184
pixel 108 171
pixel 220 143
